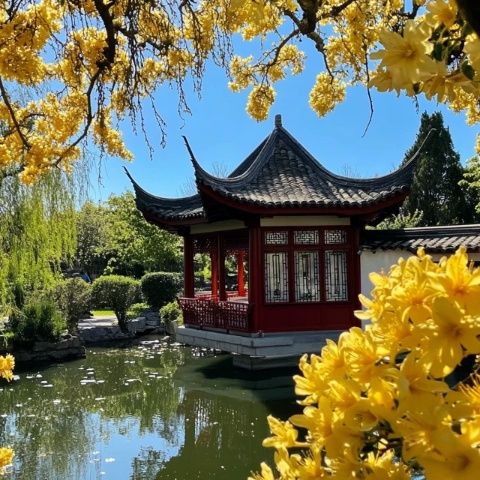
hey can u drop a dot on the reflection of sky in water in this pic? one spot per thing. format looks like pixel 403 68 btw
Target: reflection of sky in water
pixel 153 411
pixel 112 457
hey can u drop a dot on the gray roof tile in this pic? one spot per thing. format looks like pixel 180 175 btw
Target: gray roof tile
pixel 434 239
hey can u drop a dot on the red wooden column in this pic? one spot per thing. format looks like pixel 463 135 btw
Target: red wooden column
pixel 214 268
pixel 255 277
pixel 188 274
pixel 240 274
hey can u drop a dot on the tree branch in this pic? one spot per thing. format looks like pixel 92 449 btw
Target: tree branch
pixel 13 117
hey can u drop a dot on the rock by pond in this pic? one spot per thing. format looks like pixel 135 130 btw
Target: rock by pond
pixel 67 348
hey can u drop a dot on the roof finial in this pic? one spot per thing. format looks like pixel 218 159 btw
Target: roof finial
pixel 278 121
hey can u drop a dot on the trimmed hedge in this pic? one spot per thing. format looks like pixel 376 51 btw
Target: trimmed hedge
pixel 118 293
pixel 160 288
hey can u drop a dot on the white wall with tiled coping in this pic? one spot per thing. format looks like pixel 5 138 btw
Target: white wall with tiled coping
pixel 382 260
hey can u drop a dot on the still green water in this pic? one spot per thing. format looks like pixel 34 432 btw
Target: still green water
pixel 151 411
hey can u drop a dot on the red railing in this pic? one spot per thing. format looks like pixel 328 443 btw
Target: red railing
pixel 208 313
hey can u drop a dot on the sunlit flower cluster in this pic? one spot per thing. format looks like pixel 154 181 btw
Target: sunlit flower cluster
pixel 6 458
pixel 7 364
pixel 326 93
pixel 399 399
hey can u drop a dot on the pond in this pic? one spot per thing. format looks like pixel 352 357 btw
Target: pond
pixel 156 410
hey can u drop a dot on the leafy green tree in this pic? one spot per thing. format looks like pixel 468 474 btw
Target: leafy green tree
pixel 37 235
pixel 435 189
pixel 471 183
pixel 91 237
pixel 132 245
pixel 401 220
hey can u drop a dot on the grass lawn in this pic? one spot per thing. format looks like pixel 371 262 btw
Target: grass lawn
pixel 103 313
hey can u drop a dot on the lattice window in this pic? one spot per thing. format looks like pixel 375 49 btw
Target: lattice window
pixel 306 237
pixel 276 238
pixel 276 277
pixel 307 287
pixel 335 237
pixel 336 288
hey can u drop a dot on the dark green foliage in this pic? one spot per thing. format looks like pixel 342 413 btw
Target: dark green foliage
pixel 133 246
pixel 116 292
pixel 435 188
pixel 18 294
pixel 471 184
pixel 171 312
pixel 114 238
pixel 137 310
pixel 401 220
pixel 91 238
pixel 159 288
pixel 38 321
pixel 73 297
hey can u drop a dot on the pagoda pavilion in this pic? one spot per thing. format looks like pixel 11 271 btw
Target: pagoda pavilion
pixel 290 228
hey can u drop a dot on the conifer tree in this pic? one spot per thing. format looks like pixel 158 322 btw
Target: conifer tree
pixel 435 188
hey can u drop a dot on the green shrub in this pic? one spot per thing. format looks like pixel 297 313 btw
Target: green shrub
pixel 39 320
pixel 171 312
pixel 159 288
pixel 137 310
pixel 116 292
pixel 73 297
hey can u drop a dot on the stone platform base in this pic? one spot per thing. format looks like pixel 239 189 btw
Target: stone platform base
pixel 259 352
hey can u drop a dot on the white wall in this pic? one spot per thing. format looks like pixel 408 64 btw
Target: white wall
pixel 382 260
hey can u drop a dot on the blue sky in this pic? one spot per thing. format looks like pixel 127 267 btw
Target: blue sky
pixel 220 132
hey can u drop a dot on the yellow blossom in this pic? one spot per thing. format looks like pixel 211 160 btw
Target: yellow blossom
pixel 454 457
pixel 459 282
pixel 7 364
pixel 266 474
pixel 406 56
pixel 285 435
pixel 6 458
pixel 260 100
pixel 442 12
pixel 326 94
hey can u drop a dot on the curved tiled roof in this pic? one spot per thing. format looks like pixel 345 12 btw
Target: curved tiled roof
pixel 167 208
pixel 433 239
pixel 278 174
pixel 284 174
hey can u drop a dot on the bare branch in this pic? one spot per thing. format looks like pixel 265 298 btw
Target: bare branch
pixel 13 117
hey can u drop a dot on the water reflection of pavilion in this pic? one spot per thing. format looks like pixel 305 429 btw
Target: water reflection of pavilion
pixel 223 416
pixel 219 434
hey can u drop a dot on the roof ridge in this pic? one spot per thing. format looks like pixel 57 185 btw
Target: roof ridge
pixel 200 171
